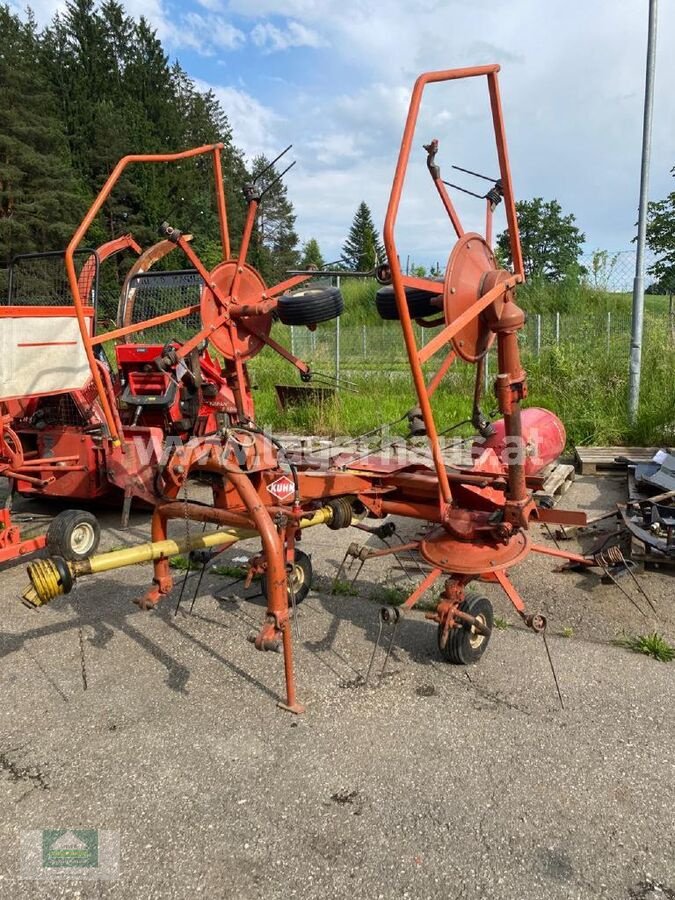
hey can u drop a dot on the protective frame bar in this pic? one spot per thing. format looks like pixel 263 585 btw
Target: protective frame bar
pixel 104 193
pixel 400 281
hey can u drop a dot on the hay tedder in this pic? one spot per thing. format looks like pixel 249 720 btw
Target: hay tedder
pixel 194 388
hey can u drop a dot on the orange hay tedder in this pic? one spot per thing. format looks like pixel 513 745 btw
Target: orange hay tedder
pixel 477 518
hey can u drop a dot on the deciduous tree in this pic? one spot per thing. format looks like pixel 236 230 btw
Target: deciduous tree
pixel 550 240
pixel 661 240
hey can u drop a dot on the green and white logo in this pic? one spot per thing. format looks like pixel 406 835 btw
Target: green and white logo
pixel 72 853
pixel 64 848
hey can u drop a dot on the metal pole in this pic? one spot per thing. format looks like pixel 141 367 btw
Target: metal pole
pixel 639 283
pixel 557 329
pixel 609 331
pixel 337 342
pixel 538 334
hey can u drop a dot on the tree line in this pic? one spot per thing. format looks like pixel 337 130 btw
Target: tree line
pixel 96 84
pixel 91 87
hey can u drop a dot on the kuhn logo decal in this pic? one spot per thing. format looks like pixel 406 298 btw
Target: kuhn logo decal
pixel 283 488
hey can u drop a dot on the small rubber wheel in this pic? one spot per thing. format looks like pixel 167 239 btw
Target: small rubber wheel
pixel 300 578
pixel 465 645
pixel 309 306
pixel 73 534
pixel 419 302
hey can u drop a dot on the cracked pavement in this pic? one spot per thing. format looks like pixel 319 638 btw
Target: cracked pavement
pixel 439 782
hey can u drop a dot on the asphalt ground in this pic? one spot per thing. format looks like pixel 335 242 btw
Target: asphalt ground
pixel 433 781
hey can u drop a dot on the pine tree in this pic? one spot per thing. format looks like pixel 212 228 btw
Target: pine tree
pixel 362 250
pixel 311 255
pixel 40 199
pixel 275 241
pixel 120 95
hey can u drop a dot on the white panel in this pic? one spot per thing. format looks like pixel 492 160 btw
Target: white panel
pixel 41 355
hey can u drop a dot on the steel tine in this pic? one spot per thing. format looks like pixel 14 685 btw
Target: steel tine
pixel 553 672
pixel 372 656
pixel 199 581
pixel 182 589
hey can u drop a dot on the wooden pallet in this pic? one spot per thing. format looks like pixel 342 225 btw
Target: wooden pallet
pixel 558 479
pixel 640 554
pixel 592 460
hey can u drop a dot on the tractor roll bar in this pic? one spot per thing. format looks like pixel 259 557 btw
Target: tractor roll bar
pixel 103 195
pixel 397 278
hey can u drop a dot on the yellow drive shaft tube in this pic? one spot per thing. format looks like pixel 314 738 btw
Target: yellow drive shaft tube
pixel 55 576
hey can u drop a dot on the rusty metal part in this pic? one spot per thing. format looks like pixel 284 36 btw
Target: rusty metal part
pixel 443 552
pixel 471 272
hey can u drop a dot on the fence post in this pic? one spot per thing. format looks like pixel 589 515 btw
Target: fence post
pixel 337 341
pixel 292 341
pixel 538 345
pixel 365 344
pixel 557 329
pixel 609 331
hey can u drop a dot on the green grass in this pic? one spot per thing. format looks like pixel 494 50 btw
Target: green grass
pixel 500 623
pixel 583 383
pixel 654 645
pixel 392 596
pixel 183 564
pixel 227 571
pixel 344 588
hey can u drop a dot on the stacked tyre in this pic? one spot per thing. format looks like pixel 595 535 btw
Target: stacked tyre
pixel 421 303
pixel 310 306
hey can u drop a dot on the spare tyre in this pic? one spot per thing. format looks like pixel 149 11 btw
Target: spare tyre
pixel 310 305
pixel 419 302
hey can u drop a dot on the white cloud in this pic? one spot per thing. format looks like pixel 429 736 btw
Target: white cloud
pixel 206 34
pixel 254 125
pixel 572 88
pixel 271 38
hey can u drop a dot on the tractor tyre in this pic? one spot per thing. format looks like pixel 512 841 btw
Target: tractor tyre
pixel 465 645
pixel 419 302
pixel 73 534
pixel 309 306
pixel 300 578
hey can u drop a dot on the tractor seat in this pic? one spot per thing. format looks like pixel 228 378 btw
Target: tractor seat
pixel 149 389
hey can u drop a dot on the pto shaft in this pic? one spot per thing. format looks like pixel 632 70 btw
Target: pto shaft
pixel 52 577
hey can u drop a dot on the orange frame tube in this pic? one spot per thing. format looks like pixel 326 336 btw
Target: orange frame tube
pixel 113 178
pixel 397 277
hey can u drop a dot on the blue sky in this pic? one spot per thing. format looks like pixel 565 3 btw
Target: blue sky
pixel 334 79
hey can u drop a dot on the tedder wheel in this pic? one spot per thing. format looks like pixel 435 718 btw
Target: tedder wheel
pixel 419 302
pixel 300 578
pixel 73 534
pixel 465 645
pixel 311 305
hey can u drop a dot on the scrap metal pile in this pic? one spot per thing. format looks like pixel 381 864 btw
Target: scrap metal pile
pixel 166 411
pixel 647 520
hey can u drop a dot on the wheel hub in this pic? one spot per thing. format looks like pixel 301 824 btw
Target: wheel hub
pixel 234 340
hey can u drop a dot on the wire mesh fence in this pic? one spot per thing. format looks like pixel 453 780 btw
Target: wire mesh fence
pixel 381 347
pixel 40 279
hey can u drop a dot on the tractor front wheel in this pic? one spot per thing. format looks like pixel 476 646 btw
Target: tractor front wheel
pixel 73 534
